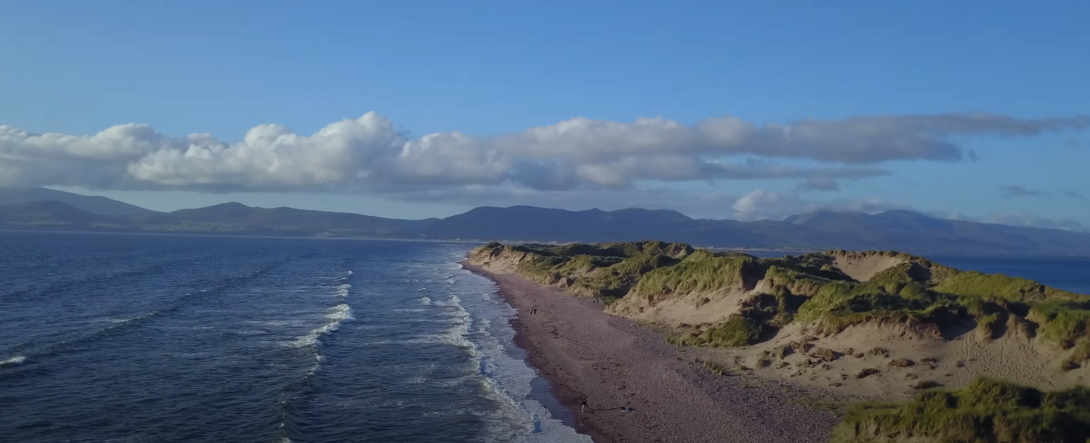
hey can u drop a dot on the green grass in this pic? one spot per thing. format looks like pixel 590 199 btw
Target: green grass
pixel 701 271
pixel 986 410
pixel 976 284
pixel 841 304
pixel 737 330
pixel 1063 323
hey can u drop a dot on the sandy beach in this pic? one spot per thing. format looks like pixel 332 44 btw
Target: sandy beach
pixel 615 363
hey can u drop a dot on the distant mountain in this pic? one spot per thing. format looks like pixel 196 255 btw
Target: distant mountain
pixel 532 223
pixel 92 204
pixel 48 213
pixel 910 231
pixel 898 230
pixel 299 219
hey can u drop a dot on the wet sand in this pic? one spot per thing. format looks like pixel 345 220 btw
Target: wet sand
pixel 614 363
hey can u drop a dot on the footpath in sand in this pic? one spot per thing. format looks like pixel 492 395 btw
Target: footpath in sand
pixel 614 363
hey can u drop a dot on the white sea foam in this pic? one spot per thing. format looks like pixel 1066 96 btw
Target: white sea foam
pixel 505 378
pixel 342 290
pixel 16 360
pixel 336 316
pixel 425 300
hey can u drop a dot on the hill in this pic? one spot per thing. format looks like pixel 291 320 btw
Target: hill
pixel 822 230
pixel 532 223
pixel 901 230
pixel 876 324
pixel 227 218
pixel 48 215
pixel 302 221
pixel 91 204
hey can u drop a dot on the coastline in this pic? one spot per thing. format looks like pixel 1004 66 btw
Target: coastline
pixel 584 352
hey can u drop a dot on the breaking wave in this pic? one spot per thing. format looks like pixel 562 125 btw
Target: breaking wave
pixel 336 316
pixel 17 360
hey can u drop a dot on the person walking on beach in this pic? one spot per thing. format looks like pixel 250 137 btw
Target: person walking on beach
pixel 584 407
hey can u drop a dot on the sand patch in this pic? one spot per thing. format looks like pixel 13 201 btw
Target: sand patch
pixel 880 362
pixel 862 266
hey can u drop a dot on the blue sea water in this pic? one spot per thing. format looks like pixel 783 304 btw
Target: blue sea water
pixel 140 338
pixel 1069 274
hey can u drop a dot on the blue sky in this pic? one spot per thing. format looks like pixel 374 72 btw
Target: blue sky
pixel 494 70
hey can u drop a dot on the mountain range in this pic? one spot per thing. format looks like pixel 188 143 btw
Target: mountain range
pixel 44 209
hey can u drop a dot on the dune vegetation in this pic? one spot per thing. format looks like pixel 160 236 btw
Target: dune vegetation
pixel 807 289
pixel 986 410
pixel 758 297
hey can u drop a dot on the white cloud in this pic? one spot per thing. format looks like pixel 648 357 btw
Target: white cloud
pixel 762 205
pixel 368 154
pixel 1033 221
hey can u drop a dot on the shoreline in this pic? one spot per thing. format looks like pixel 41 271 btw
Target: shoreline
pixel 583 351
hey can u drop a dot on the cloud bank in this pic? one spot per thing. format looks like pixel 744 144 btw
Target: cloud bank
pixel 368 154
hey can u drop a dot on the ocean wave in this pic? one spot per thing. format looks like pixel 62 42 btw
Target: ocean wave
pixel 17 360
pixel 507 379
pixel 336 316
pixel 425 300
pixel 342 290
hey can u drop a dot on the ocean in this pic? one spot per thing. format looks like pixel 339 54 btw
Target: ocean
pixel 142 338
pixel 156 338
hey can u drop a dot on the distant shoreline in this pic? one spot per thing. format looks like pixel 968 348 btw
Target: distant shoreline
pixel 267 237
pixel 481 242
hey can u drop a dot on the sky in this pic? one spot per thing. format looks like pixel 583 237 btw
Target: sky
pixel 745 110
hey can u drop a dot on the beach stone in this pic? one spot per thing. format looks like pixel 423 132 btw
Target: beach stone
pixel 782 351
pixel 925 384
pixel 801 346
pixel 866 373
pixel 902 362
pixel 910 376
pixel 858 355
pixel 825 354
pixel 879 351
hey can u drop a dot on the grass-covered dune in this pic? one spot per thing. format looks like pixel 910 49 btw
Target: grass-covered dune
pixel 985 410
pixel 733 300
pixel 814 289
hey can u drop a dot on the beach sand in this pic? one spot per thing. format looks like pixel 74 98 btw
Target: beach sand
pixel 615 363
